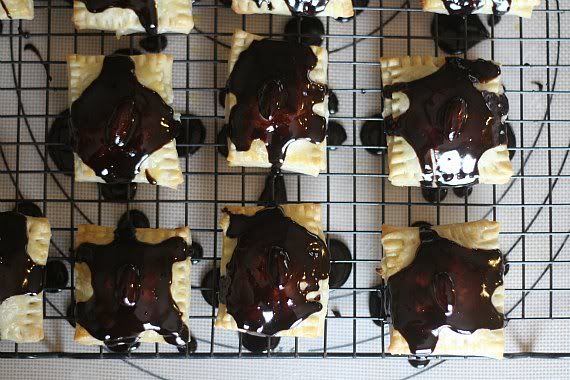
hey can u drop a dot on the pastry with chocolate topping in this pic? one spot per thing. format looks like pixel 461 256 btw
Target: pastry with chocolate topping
pixel 23 256
pixel 445 122
pixel 331 8
pixel 276 105
pixel 122 124
pixel 522 8
pixel 446 292
pixel 132 285
pixel 134 16
pixel 274 271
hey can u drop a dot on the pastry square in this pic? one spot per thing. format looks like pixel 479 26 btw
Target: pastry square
pixel 275 270
pixel 522 8
pixel 443 280
pixel 21 307
pixel 332 8
pixel 17 10
pixel 174 16
pixel 87 278
pixel 303 156
pixel 153 71
pixel 453 120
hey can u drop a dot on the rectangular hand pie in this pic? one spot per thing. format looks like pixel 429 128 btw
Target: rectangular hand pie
pixel 117 271
pixel 274 271
pixel 168 16
pixel 25 245
pixel 522 8
pixel 332 8
pixel 276 111
pixel 445 121
pixel 16 10
pixel 120 111
pixel 446 292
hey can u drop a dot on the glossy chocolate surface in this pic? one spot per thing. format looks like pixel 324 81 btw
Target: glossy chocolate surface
pixel 467 7
pixel 446 285
pixel 19 274
pixel 275 97
pixel 117 122
pixel 144 9
pixel 450 123
pixel 306 7
pixel 131 290
pixel 264 286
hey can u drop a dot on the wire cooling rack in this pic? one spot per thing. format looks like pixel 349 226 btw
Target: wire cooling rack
pixel 354 192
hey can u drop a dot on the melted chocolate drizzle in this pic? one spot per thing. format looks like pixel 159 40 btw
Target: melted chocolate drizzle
pixel 262 287
pixel 6 10
pixel 450 123
pixel 145 10
pixel 275 97
pixel 446 285
pixel 467 7
pixel 118 122
pixel 306 7
pixel 19 274
pixel 131 290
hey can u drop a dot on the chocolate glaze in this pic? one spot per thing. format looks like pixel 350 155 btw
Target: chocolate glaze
pixel 145 10
pixel 306 30
pixel 155 43
pixel 449 121
pixel 467 7
pixel 131 290
pixel 275 97
pixel 262 285
pixel 305 7
pixel 274 191
pixel 446 285
pixel 118 122
pixel 462 7
pixel 19 274
pixel 456 34
pixel 59 143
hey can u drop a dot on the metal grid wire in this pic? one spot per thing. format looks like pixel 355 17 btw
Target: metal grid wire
pixel 354 192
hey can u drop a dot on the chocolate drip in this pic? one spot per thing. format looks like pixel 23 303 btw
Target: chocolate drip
pixel 19 274
pixel 118 122
pixel 450 123
pixel 146 10
pixel 275 97
pixel 500 7
pixel 446 285
pixel 306 7
pixel 462 7
pixel 260 3
pixel 6 10
pixel 467 7
pixel 264 286
pixel 131 290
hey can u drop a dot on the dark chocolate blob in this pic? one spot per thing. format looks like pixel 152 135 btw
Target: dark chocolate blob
pixel 446 285
pixel 336 135
pixel 119 192
pixel 59 143
pixel 455 34
pixel 19 274
pixel 274 191
pixel 57 276
pixel 144 9
pixel 275 97
pixel 306 30
pixel 274 266
pixel 306 7
pixel 154 44
pixel 433 194
pixel 259 344
pixel 29 209
pixel 372 134
pixel 450 123
pixel 118 122
pixel 340 272
pixel 463 191
pixel 191 137
pixel 377 305
pixel 462 7
pixel 210 285
pixel 222 140
pixel 131 290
